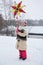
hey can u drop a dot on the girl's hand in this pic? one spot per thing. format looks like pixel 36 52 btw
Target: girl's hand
pixel 17 30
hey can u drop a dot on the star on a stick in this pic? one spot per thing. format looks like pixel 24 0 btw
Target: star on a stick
pixel 17 9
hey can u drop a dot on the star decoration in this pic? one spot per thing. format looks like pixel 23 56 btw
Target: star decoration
pixel 17 9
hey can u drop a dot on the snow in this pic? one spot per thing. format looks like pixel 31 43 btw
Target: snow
pixel 9 54
pixel 10 28
pixel 36 29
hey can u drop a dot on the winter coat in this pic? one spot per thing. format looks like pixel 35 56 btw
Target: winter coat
pixel 21 43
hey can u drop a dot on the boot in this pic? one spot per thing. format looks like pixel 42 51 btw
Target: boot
pixel 20 57
pixel 23 58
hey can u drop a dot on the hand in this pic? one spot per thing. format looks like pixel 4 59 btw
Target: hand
pixel 16 30
pixel 22 31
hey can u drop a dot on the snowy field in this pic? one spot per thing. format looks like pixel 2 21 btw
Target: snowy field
pixel 9 54
pixel 36 29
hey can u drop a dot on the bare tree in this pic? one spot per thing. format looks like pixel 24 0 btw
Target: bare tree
pixel 1 22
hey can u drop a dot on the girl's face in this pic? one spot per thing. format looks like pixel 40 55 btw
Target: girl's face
pixel 23 24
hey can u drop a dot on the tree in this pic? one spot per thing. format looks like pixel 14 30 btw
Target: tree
pixel 1 22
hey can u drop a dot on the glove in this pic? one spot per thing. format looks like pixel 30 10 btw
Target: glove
pixel 22 31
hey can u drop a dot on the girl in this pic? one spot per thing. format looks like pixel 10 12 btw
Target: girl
pixel 22 40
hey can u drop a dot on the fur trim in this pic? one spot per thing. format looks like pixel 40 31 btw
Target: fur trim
pixel 21 37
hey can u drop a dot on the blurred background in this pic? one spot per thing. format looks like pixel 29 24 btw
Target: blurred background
pixel 33 16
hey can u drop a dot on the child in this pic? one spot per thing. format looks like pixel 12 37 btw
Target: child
pixel 21 40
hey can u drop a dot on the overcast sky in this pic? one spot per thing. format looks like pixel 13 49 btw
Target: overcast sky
pixel 33 8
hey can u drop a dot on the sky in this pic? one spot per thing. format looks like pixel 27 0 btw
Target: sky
pixel 33 8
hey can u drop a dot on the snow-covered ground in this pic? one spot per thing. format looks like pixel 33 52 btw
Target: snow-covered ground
pixel 9 54
pixel 36 29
